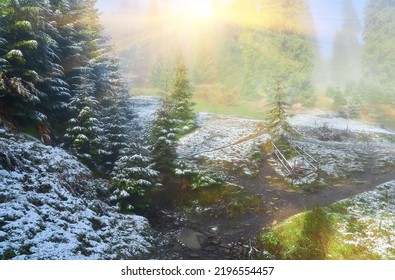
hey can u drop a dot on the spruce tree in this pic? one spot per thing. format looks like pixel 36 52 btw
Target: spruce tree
pixel 347 48
pixel 173 119
pixel 278 125
pixel 378 51
pixel 164 133
pixel 133 177
pixel 82 135
pixel 180 96
pixel 277 45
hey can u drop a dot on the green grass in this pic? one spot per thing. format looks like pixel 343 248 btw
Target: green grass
pixel 212 99
pixel 315 234
pixel 218 100
pixel 226 201
pixel 147 91
pixel 243 109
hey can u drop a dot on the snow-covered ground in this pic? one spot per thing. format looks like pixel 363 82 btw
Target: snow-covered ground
pixel 373 212
pixel 145 108
pixel 223 140
pixel 49 207
pixel 228 141
pixel 318 118
pixel 342 145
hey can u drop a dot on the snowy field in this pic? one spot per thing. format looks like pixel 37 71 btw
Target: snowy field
pixel 222 140
pixel 318 118
pixel 229 141
pixel 343 146
pixel 373 212
pixel 49 209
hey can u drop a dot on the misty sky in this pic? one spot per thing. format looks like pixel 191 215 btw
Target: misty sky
pixel 327 16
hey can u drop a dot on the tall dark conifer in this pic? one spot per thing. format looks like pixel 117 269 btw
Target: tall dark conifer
pixel 379 52
pixel 347 47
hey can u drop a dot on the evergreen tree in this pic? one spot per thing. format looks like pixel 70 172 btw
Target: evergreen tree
pixel 115 113
pixel 354 106
pixel 378 51
pixel 164 132
pixel 180 96
pixel 173 119
pixel 134 177
pixel 347 48
pixel 30 72
pixel 277 46
pixel 278 125
pixel 82 136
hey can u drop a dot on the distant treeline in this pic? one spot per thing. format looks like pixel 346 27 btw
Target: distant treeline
pixel 247 46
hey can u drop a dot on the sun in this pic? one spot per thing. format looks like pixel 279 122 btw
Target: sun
pixel 198 9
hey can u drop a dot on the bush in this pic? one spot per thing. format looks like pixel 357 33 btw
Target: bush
pixel 206 179
pixel 199 178
pixel 256 154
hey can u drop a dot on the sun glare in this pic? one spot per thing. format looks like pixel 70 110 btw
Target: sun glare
pixel 198 9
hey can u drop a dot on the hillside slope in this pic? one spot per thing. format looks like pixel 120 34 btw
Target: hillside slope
pixel 50 207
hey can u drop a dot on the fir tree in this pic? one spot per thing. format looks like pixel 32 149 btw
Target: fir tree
pixel 82 136
pixel 278 125
pixel 133 177
pixel 164 132
pixel 355 102
pixel 25 43
pixel 347 48
pixel 276 45
pixel 115 114
pixel 180 96
pixel 174 118
pixel 378 51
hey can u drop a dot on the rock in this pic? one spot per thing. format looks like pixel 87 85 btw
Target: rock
pixel 225 245
pixel 210 248
pixel 192 239
pixel 274 223
pixel 177 248
pixel 209 234
pixel 194 255
pixel 215 242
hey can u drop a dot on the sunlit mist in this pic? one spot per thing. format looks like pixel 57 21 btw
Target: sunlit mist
pixel 197 10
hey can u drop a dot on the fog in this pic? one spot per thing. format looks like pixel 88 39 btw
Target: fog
pixel 235 51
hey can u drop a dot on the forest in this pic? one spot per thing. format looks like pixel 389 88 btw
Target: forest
pixel 211 129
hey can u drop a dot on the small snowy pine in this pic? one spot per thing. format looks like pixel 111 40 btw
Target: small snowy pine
pixel 133 177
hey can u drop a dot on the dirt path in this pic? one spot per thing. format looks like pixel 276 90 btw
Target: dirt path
pixel 278 202
pixel 235 233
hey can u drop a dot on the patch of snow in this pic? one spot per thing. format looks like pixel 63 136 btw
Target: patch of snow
pixel 318 118
pixel 145 108
pixel 222 139
pixel 48 208
pixel 376 211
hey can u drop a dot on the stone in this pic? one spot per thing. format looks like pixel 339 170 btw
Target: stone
pixel 194 255
pixel 225 245
pixel 192 239
pixel 209 234
pixel 215 242
pixel 210 248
